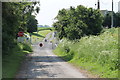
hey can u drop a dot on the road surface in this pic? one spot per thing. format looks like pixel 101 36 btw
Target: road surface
pixel 42 63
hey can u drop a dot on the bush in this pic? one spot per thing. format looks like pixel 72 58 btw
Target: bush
pixel 27 47
pixel 67 49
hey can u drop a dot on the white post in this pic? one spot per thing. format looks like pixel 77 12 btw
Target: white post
pixel 112 16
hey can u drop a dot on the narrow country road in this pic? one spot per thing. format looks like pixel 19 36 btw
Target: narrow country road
pixel 42 63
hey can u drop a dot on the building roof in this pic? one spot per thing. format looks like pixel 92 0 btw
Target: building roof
pixel 104 12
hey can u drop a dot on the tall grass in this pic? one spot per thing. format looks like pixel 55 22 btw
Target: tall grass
pixel 97 54
pixel 12 61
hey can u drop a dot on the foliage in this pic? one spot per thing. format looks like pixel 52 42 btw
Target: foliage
pixel 11 63
pixel 27 47
pixel 14 18
pixel 98 54
pixel 73 23
pixel 32 24
pixel 107 20
pixel 117 19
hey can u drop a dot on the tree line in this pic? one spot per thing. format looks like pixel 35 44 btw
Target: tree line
pixel 17 16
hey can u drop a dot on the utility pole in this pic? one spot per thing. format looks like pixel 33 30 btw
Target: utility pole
pixel 1 38
pixel 98 4
pixel 112 15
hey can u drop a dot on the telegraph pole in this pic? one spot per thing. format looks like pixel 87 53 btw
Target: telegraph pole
pixel 112 15
pixel 98 4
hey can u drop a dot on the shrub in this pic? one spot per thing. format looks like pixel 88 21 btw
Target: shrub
pixel 67 49
pixel 27 47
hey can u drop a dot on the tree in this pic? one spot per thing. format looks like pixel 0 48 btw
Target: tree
pixel 73 23
pixel 117 19
pixel 107 20
pixel 14 17
pixel 92 18
pixel 32 24
pixel 62 23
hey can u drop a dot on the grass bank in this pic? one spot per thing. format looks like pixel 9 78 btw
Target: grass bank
pixel 41 34
pixel 11 62
pixel 96 54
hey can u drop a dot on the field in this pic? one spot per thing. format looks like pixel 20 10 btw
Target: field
pixel 96 54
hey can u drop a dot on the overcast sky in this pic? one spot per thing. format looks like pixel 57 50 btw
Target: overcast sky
pixel 49 8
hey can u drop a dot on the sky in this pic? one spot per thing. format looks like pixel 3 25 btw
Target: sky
pixel 49 8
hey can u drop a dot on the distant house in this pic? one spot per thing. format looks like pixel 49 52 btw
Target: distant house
pixel 104 12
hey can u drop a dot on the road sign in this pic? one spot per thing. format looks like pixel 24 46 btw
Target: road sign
pixel 20 34
pixel 41 44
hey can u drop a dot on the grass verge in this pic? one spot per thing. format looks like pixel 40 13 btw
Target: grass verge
pixel 11 62
pixel 97 54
